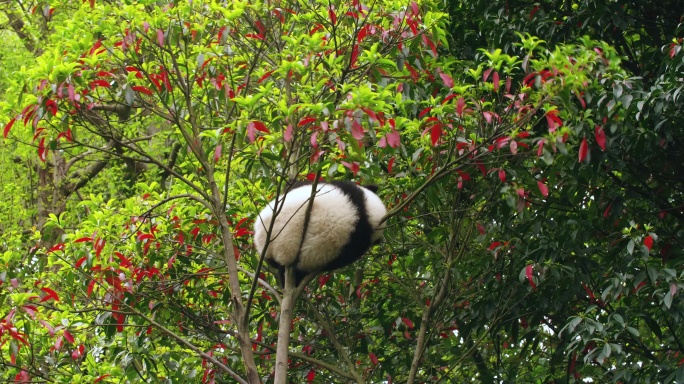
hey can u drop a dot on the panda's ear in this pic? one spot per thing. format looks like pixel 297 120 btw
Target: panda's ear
pixel 372 187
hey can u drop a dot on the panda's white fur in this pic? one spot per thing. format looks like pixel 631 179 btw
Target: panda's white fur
pixel 343 224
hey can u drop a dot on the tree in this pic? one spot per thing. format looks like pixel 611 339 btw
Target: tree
pixel 612 284
pixel 166 127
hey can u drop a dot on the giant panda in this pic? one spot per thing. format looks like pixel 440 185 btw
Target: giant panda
pixel 343 224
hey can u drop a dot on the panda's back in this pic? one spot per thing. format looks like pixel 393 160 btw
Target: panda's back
pixel 332 219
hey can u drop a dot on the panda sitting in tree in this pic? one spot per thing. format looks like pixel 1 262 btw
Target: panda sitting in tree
pixel 343 223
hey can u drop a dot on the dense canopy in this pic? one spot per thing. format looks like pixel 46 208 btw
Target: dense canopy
pixel 529 154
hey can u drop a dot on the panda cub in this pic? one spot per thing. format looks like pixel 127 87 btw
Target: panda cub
pixel 343 224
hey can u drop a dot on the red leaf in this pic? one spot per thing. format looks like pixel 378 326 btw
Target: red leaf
pixel 460 104
pixel 251 131
pixel 42 151
pixel 323 279
pixel 553 120
pixel 31 310
pixel 66 135
pixel 217 153
pixel 514 147
pixel 50 328
pixel 353 166
pixel 534 10
pixel 261 127
pixel 430 44
pixel 393 138
pixel 138 74
pixel 446 99
pixel 583 150
pixel 260 26
pixel 99 83
pixel 91 285
pixel 414 8
pixel 100 378
pixel 435 133
pixel 306 121
pixel 357 130
pixel 424 112
pixel 489 116
pixel 68 336
pixel 58 343
pixel 332 16
pixel 51 105
pixel 408 322
pixel 390 165
pixel 412 71
pixel 371 114
pixel 288 133
pixel 648 242
pixel 373 358
pixel 486 73
pixel 600 137
pixel 50 295
pixel 446 79
pixel 8 126
pixel 606 212
pixel 95 47
pixel 543 188
pixel 540 148
pixel 480 229
pixel 71 92
pixel 502 175
pixel 363 32
pixel 160 37
pixel 80 262
pixel 354 56
pixel 265 76
pixel 482 168
pixel 313 139
pixel 529 79
pixel 530 277
pixel 590 294
pixel 145 236
pixel 83 240
pixel 257 36
pixel 142 89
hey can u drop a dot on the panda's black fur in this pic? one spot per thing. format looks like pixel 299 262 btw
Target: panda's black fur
pixel 344 223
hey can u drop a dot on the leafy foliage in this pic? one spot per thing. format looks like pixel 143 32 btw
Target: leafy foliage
pixel 531 173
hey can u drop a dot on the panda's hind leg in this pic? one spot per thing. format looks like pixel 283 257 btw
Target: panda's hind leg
pixel 280 272
pixel 299 276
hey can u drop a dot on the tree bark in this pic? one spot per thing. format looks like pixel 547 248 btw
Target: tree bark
pixel 286 310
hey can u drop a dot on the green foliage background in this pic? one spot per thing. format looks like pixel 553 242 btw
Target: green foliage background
pixel 529 154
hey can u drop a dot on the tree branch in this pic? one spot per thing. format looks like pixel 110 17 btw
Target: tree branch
pixel 191 346
pixel 17 24
pixel 336 343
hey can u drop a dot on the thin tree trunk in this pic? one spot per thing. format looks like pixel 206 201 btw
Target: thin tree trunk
pixel 286 310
